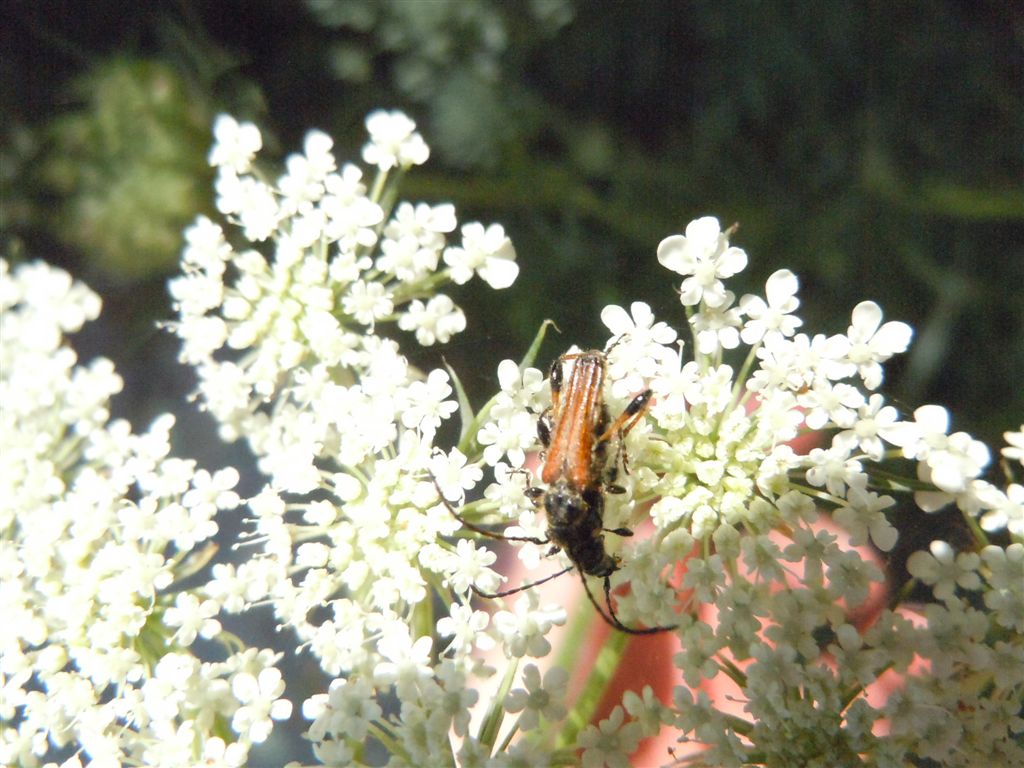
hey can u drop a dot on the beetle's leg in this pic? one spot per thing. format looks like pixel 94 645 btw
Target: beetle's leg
pixel 507 592
pixel 478 529
pixel 629 417
pixel 621 427
pixel 612 619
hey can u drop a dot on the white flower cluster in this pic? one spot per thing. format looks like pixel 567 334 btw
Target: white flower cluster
pixel 284 340
pixel 98 523
pixel 352 539
pixel 740 493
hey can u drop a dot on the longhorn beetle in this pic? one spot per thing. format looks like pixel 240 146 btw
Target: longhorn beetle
pixel 575 432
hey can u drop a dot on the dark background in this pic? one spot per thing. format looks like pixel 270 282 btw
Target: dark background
pixel 874 148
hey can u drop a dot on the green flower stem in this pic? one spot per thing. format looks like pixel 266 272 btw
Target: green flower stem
pixel 980 539
pixel 849 695
pixel 896 482
pixel 377 190
pixel 232 643
pixel 67 454
pixel 423 289
pixel 817 493
pixel 733 672
pixel 386 738
pixel 607 661
pixel 189 563
pixel 738 724
pixel 567 653
pixel 503 747
pixel 492 722
pixel 386 195
pixel 903 594
pixel 740 395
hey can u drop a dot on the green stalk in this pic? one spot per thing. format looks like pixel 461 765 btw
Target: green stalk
pixel 732 671
pixel 492 722
pixel 384 735
pixel 423 618
pixel 980 539
pixel 608 660
pixel 575 639
pixel 508 738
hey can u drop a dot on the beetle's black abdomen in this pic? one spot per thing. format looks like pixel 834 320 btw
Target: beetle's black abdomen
pixel 575 525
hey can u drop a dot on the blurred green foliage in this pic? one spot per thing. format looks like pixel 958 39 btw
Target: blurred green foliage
pixel 875 149
pixel 124 166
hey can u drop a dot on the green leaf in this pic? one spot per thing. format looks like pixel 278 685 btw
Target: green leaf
pixel 531 353
pixel 470 426
pixel 466 415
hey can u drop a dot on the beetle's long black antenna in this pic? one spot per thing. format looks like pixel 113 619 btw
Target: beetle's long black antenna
pixel 507 592
pixel 476 528
pixel 610 618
